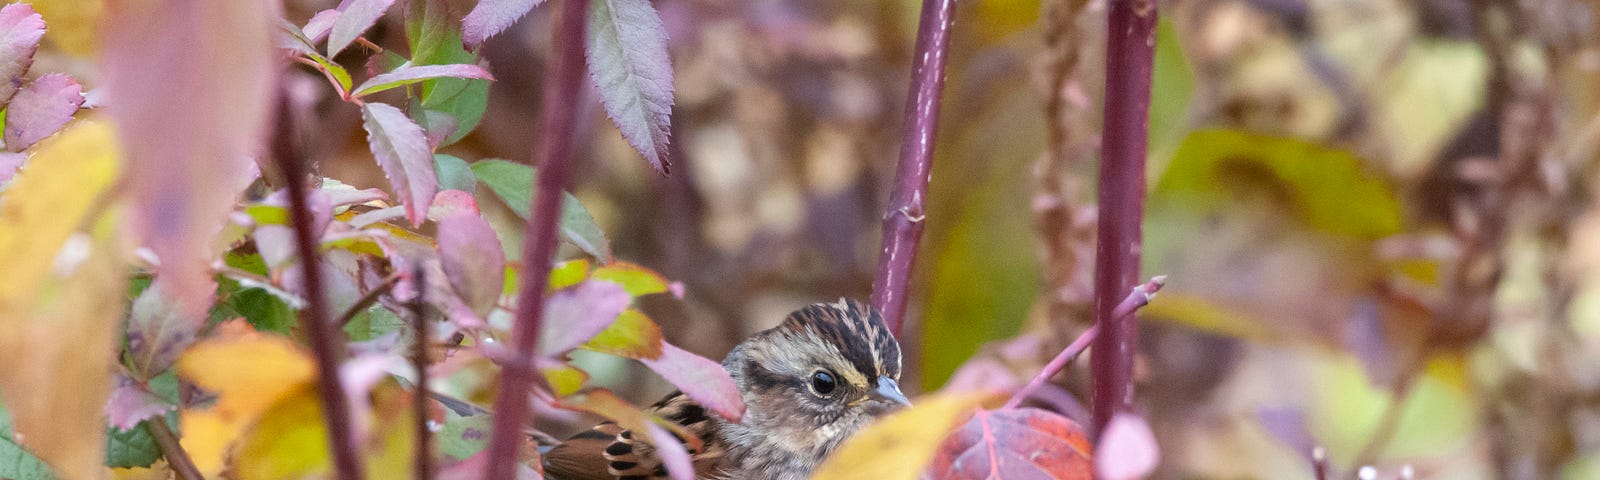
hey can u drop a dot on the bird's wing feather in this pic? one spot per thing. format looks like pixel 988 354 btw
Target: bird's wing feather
pixel 608 451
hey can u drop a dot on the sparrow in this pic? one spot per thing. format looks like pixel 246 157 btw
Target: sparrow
pixel 825 373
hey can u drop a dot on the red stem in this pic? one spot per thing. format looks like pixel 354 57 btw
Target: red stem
pixel 554 154
pixel 423 463
pixel 1130 48
pixel 1138 298
pixel 902 221
pixel 326 344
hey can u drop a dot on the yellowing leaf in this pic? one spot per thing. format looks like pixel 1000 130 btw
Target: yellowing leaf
pixel 568 273
pixel 564 379
pixel 72 24
pixel 899 446
pixel 49 199
pixel 632 335
pixel 288 442
pixel 56 346
pixel 249 372
pixel 637 280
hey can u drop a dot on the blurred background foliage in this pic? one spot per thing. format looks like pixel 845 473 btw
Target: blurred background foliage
pixel 1378 217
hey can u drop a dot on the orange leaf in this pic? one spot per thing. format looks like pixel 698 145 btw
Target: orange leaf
pixel 1015 444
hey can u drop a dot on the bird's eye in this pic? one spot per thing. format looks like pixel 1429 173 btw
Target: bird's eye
pixel 822 383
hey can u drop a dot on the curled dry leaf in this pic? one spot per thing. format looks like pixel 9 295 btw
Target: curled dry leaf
pixel 20 31
pixel 1021 443
pixel 899 446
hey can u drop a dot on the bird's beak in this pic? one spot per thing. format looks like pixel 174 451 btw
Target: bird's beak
pixel 889 393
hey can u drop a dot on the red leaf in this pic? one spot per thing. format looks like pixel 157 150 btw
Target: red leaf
pixel 491 17
pixel 701 379
pixel 1127 449
pixel 577 314
pixel 20 30
pixel 41 108
pixel 402 150
pixel 1021 443
pixel 354 20
pixel 472 260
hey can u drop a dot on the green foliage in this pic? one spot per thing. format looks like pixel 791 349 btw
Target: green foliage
pixel 462 437
pixel 514 184
pixel 376 321
pixel 15 462
pixel 1329 190
pixel 435 39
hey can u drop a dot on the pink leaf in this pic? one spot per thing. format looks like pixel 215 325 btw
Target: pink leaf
pixel 409 75
pixel 451 202
pixel 402 150
pixel 672 454
pixel 491 17
pixel 20 30
pixel 320 24
pixel 188 146
pixel 41 108
pixel 9 164
pixel 575 315
pixel 472 259
pixel 701 379
pixel 354 20
pixel 157 331
pixel 130 404
pixel 1127 449
pixel 627 55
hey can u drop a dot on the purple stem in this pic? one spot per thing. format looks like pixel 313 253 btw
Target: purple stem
pixel 423 463
pixel 1139 297
pixel 902 221
pixel 1130 49
pixel 554 154
pixel 326 344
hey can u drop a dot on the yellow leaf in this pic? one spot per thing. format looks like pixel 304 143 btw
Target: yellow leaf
pixel 901 445
pixel 249 372
pixel 72 24
pixel 289 441
pixel 53 196
pixel 57 343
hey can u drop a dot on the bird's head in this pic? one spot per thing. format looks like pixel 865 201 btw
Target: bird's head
pixel 822 375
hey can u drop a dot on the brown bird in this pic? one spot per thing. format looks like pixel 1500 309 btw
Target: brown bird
pixel 822 375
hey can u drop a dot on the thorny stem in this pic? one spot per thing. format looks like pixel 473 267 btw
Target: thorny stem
pixel 902 220
pixel 172 450
pixel 326 345
pixel 554 153
pixel 1138 298
pixel 1130 50
pixel 419 398
pixel 368 299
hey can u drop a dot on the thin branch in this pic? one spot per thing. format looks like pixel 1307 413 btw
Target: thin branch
pixel 902 220
pixel 554 153
pixel 172 450
pixel 1319 462
pixel 1130 50
pixel 371 297
pixel 326 345
pixel 419 361
pixel 1139 297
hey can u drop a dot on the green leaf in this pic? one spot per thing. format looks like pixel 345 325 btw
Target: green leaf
pixel 374 322
pixel 513 183
pixel 1172 84
pixel 131 448
pixel 454 173
pixel 263 310
pixel 15 462
pixel 434 35
pixel 1327 189
pixel 463 437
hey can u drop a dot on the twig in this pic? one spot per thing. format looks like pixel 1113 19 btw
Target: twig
pixel 371 296
pixel 902 220
pixel 419 398
pixel 1130 50
pixel 1319 462
pixel 172 450
pixel 1139 297
pixel 539 244
pixel 325 342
